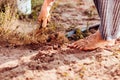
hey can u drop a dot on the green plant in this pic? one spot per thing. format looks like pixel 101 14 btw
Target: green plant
pixel 7 15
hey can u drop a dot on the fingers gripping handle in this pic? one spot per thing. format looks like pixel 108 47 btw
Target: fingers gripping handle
pixel 45 12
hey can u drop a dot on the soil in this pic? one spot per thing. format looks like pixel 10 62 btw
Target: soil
pixel 54 62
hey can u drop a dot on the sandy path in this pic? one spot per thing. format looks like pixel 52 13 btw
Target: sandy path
pixel 60 64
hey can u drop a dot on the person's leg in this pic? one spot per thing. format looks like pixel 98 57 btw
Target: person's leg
pixel 45 12
pixel 109 12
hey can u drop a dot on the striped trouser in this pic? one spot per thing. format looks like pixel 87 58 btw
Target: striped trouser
pixel 109 12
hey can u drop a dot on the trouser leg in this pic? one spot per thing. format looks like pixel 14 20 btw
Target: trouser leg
pixel 109 12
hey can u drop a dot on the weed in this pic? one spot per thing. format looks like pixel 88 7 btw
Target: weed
pixel 10 33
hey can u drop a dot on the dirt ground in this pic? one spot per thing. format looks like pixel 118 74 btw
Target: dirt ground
pixel 46 62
